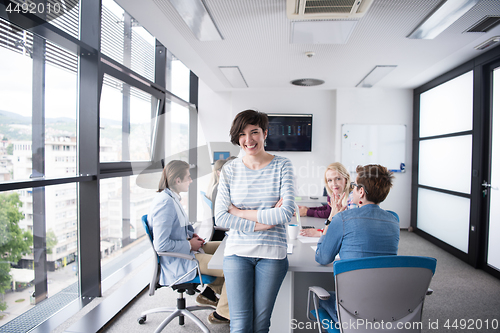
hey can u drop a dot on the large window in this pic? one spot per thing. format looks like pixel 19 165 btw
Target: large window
pixel 82 134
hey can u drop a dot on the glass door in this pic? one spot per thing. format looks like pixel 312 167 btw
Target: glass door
pixel 491 189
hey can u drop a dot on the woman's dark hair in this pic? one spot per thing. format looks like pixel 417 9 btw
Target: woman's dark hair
pixel 244 118
pixel 377 181
pixel 173 170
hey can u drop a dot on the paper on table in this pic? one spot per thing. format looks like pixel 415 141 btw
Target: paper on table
pixel 305 239
pixel 289 248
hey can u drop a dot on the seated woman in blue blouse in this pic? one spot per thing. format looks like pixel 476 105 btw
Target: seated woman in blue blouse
pixel 365 232
pixel 172 232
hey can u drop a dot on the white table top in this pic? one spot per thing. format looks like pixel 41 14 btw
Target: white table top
pixel 302 258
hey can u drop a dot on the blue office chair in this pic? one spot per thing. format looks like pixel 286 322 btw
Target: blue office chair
pixel 188 287
pixel 375 293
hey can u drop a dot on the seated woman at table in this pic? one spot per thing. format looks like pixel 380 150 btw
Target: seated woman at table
pixel 368 231
pixel 338 185
pixel 172 232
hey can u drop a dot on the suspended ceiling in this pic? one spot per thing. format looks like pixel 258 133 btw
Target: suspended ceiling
pixel 257 39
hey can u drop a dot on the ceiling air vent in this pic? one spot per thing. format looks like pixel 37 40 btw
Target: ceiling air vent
pixel 307 82
pixel 326 9
pixel 485 24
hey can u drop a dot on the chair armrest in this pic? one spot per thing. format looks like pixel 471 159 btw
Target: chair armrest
pixel 177 255
pixel 320 292
pixel 187 257
pixel 429 291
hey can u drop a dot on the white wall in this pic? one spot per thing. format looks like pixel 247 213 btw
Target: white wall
pixel 330 110
pixel 381 106
pixel 309 166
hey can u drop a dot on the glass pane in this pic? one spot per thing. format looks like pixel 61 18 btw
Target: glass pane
pixel 494 222
pixel 143 51
pixel 65 15
pixel 447 108
pixel 142 106
pixel 112 31
pixel 132 141
pixel 124 40
pixel 177 133
pixel 57 80
pixel 176 121
pixel 445 217
pixel 178 76
pixel 62 14
pixel 446 163
pixel 57 219
pixel 122 236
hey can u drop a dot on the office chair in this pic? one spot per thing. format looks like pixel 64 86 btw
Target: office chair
pixel 375 294
pixel 188 287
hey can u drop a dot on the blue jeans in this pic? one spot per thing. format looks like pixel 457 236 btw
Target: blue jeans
pixel 252 285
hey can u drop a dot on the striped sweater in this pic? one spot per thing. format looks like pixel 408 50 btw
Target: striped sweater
pixel 256 190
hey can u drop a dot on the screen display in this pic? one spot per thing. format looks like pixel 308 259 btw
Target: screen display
pixel 289 132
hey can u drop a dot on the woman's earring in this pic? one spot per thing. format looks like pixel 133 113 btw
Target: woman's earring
pixel 360 202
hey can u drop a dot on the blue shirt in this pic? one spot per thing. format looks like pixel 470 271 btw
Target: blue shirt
pixel 368 231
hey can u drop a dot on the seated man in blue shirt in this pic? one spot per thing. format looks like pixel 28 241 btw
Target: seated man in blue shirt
pixel 365 232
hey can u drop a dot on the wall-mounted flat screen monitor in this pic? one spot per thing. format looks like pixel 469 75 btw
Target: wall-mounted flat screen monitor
pixel 289 132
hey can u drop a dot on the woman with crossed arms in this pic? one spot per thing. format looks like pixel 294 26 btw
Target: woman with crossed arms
pixel 255 199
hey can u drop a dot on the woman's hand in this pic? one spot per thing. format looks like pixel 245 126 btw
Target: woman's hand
pixel 196 243
pixel 310 232
pixel 262 227
pixel 303 210
pixel 279 203
pixel 336 205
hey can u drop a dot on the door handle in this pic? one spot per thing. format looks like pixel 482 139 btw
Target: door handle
pixel 486 185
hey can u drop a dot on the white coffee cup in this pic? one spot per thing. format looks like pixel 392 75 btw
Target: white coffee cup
pixel 293 231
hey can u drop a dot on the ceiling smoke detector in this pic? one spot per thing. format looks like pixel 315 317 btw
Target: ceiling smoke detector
pixel 307 82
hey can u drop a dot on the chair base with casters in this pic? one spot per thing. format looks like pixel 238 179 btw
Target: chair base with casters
pixel 189 288
pixel 377 294
pixel 181 310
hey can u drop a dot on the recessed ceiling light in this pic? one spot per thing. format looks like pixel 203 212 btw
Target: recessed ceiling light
pixel 234 76
pixel 198 19
pixel 442 17
pixel 487 43
pixel 375 75
pixel 307 82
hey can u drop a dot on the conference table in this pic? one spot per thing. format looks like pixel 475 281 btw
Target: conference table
pixel 290 309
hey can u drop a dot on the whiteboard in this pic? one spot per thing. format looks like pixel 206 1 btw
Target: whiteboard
pixel 374 144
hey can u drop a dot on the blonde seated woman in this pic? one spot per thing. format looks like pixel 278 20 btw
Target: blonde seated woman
pixel 338 186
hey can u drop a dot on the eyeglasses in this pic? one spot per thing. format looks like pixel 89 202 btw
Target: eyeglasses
pixel 353 185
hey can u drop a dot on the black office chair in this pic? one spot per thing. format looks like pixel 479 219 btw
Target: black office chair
pixel 189 288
